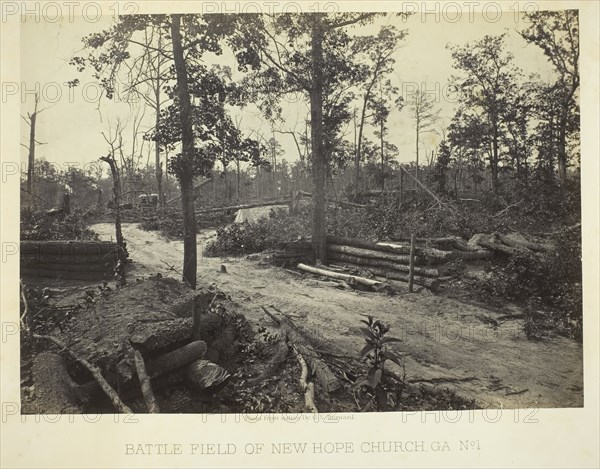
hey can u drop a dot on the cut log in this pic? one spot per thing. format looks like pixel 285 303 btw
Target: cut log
pixel 359 243
pixel 147 392
pixel 323 374
pixel 178 331
pixel 368 253
pixel 518 241
pixel 488 242
pixel 431 283
pixel 341 203
pixel 445 244
pixel 364 261
pixel 352 279
pixel 241 207
pixel 472 255
pixel 207 376
pixel 176 359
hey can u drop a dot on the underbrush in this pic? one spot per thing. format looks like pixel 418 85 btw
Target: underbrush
pixel 257 236
pixel 170 223
pixel 40 226
pixel 548 285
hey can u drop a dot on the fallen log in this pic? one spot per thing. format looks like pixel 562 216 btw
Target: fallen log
pixel 207 376
pixel 244 206
pixel 147 392
pixel 359 243
pixel 472 255
pixel 178 331
pixel 518 241
pixel 487 241
pixel 351 279
pixel 431 283
pixel 176 359
pixel 368 253
pixel 323 374
pixel 341 203
pixel 364 261
pixel 307 387
pixel 165 366
pixel 95 371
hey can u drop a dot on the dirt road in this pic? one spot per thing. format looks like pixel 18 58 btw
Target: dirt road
pixel 446 342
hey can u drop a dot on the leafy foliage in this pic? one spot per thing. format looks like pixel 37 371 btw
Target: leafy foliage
pixel 40 226
pixel 550 286
pixel 375 351
pixel 257 236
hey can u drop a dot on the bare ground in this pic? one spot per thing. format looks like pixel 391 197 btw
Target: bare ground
pixel 446 342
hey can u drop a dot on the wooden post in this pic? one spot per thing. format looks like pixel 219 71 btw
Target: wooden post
pixel 411 265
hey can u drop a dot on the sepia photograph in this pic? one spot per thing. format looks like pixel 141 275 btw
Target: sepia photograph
pixel 300 210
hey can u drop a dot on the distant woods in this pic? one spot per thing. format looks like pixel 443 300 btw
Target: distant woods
pixel 511 136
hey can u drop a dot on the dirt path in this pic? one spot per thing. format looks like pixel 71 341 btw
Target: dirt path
pixel 446 342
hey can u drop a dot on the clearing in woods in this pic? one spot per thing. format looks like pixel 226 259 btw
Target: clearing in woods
pixel 446 342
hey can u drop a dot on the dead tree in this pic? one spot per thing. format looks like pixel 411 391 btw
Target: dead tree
pixel 31 121
pixel 122 253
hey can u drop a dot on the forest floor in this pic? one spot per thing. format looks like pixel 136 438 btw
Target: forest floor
pixel 447 342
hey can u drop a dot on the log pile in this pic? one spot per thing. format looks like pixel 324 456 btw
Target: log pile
pixel 85 260
pixel 392 260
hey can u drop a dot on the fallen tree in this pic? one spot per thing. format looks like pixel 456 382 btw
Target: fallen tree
pixel 368 253
pixel 359 243
pixel 293 336
pixel 431 283
pixel 350 279
pixel 374 262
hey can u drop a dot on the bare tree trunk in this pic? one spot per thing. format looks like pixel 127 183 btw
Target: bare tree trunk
pixel 318 157
pixel 237 181
pixel 31 158
pixel 382 159
pixel 122 253
pixel 494 162
pixel 186 178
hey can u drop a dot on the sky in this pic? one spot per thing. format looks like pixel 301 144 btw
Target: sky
pixel 73 120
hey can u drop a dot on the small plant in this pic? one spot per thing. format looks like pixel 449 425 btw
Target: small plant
pixel 376 353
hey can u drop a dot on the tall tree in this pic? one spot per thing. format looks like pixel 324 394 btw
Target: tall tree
pixel 376 54
pixel 488 74
pixel 422 109
pixel 186 178
pixel 306 53
pixel 557 34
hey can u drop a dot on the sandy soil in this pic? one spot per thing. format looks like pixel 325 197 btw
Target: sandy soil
pixel 446 342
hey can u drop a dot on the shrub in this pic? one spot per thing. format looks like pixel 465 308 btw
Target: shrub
pixel 257 236
pixel 40 226
pixel 170 223
pixel 550 282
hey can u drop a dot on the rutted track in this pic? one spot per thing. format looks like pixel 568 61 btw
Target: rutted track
pixel 447 343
